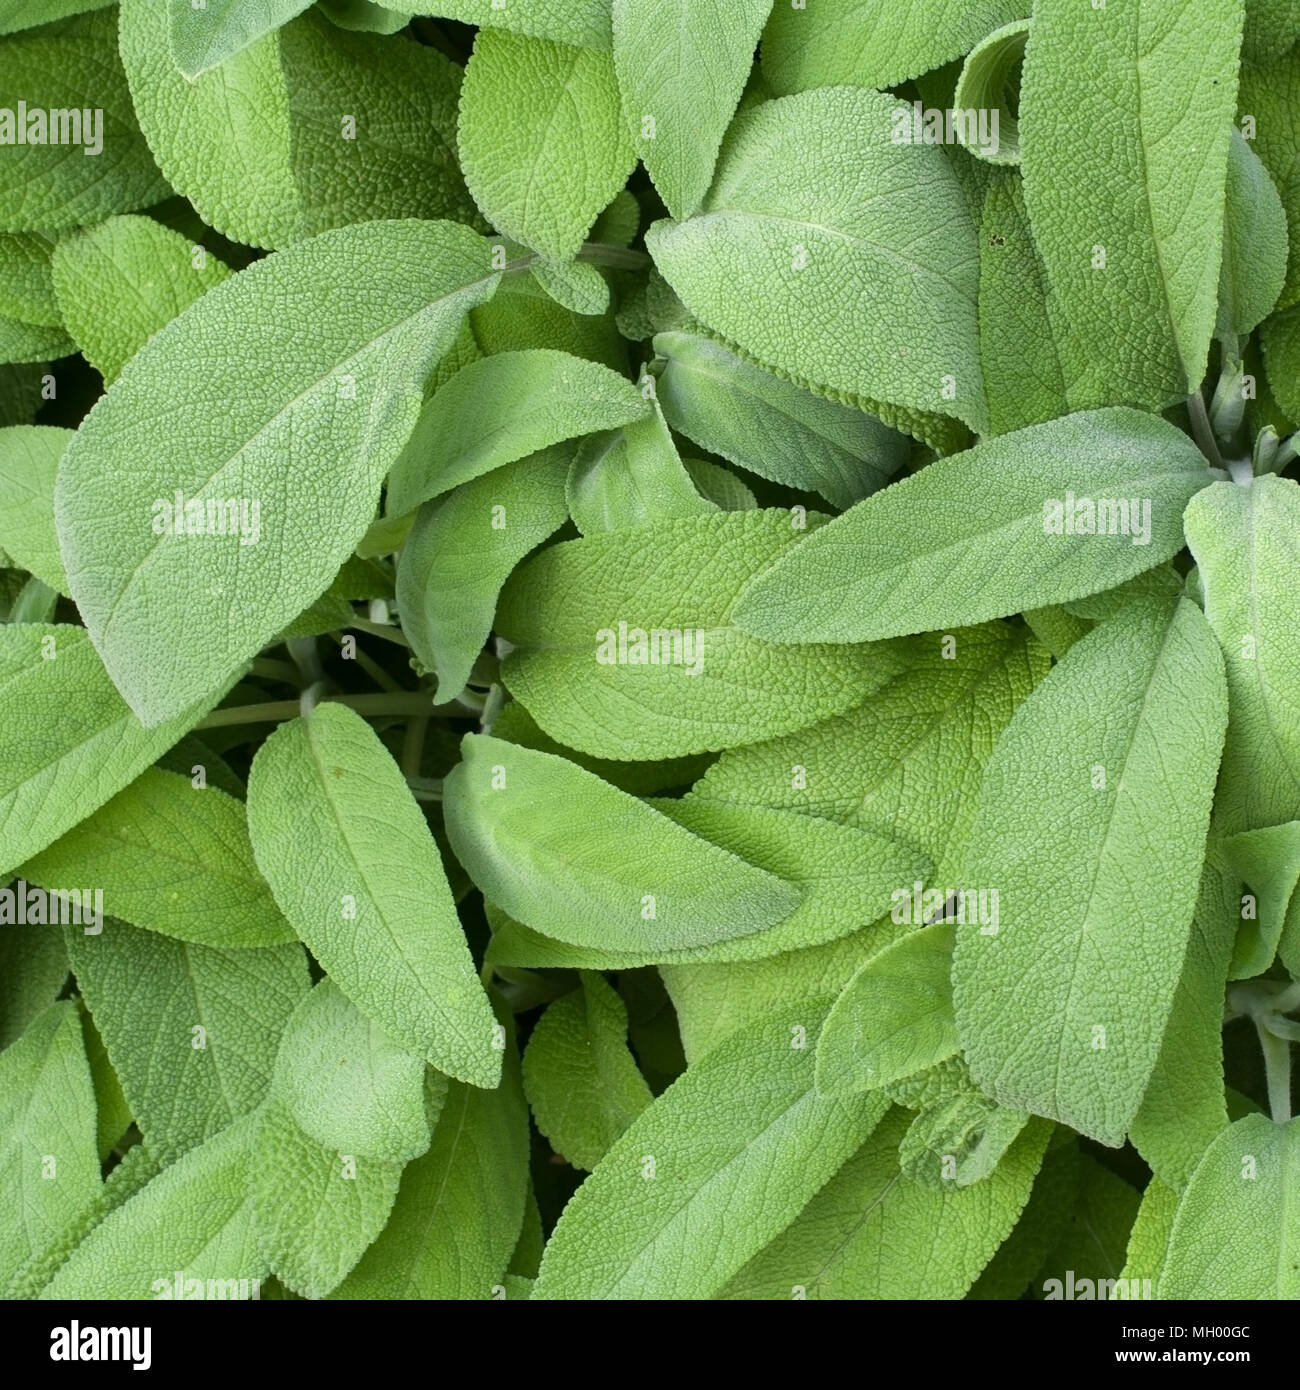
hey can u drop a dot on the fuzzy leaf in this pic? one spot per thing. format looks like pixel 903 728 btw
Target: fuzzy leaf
pixel 29 460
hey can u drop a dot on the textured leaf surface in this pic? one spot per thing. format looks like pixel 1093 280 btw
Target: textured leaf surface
pixel 774 428
pixel 170 858
pixel 194 1218
pixel 502 408
pixel 526 106
pixel 67 740
pixel 260 402
pixel 463 548
pixel 33 967
pixel 747 1109
pixel 1236 1233
pixel 55 183
pixel 580 1079
pixel 1270 91
pixel 204 37
pixel 1246 542
pixel 1254 242
pixel 683 66
pixel 123 279
pixel 583 22
pixel 821 238
pixel 640 881
pixel 1137 328
pixel 718 686
pixel 872 1233
pixel 1141 702
pixel 995 517
pixel 29 460
pixel 149 994
pixel 49 1165
pixel 352 864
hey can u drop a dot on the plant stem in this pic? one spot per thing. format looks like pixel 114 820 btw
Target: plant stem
pixel 412 704
pixel 617 257
pixel 1277 1070
pixel 1201 429
pixel 413 747
pixel 372 668
pixel 270 669
pixel 385 630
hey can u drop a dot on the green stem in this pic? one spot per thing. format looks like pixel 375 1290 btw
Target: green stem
pixel 272 670
pixel 410 704
pixel 617 257
pixel 385 630
pixel 413 747
pixel 425 788
pixel 1277 1071
pixel 372 668
pixel 1201 429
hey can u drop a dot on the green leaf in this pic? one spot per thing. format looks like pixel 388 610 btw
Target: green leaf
pixel 1254 243
pixel 641 882
pixel 122 280
pixel 1096 797
pixel 1245 540
pixel 259 145
pixel 579 287
pixel 681 70
pixel 584 22
pixel 908 761
pixel 1268 859
pixel 894 1016
pixel 49 1163
pixel 821 238
pixel 872 1233
pixel 1280 338
pixel 1235 1235
pixel 1148 1241
pixel 503 408
pixel 203 37
pixel 346 1085
pixel 353 866
pixel 1016 307
pixel 352 388
pixel 33 967
pixel 29 460
pixel 1270 94
pixel 574 611
pixel 960 1139
pixel 1049 513
pixel 580 1079
pixel 1089 1255
pixel 363 16
pixel 631 477
pixel 113 1113
pixel 658 1216
pixel 1135 328
pixel 990 83
pixel 195 1218
pixel 20 393
pixel 27 290
pixel 315 1210
pixel 170 858
pixel 526 106
pixel 71 174
pixel 191 1030
pixel 463 548
pixel 878 43
pixel 67 741
pixel 770 426
pixel 460 1207
pixel 28 14
pixel 1183 1108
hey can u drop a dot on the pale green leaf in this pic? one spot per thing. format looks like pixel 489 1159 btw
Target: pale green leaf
pixel 836 256
pixel 191 1030
pixel 1045 514
pixel 1148 1241
pixel 1130 228
pixel 581 1081
pixel 1280 339
pixel 526 106
pixel 122 280
pixel 639 882
pixel 1270 95
pixel 463 548
pixel 28 14
pixel 681 70
pixel 574 612
pixel 959 1140
pixel 873 1233
pixel 204 36
pixel 1268 859
pixel 1254 243
pixel 172 858
pixel 1088 1257
pixel 226 405
pixel 770 426
pixel 503 408
pixel 742 1130
pixel 29 460
pixel 583 22
pixel 1096 797
pixel 33 967
pixel 1236 1234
